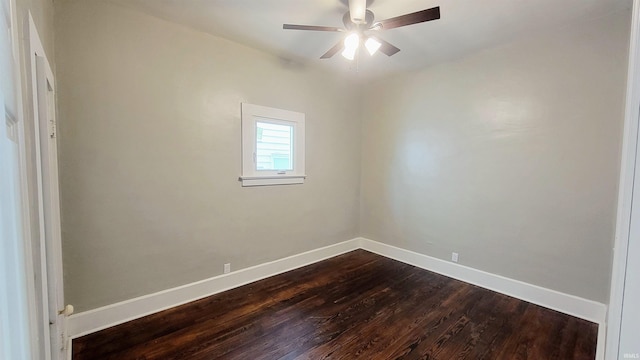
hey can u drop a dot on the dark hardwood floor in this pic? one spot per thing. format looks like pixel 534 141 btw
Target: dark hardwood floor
pixel 357 305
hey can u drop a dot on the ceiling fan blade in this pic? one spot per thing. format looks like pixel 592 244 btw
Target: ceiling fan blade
pixel 334 50
pixel 386 48
pixel 410 19
pixel 310 27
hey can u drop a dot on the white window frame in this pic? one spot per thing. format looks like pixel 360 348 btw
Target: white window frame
pixel 252 114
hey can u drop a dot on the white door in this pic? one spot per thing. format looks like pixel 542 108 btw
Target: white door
pixel 14 330
pixel 15 339
pixel 630 327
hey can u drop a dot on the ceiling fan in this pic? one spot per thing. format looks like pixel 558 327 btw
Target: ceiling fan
pixel 359 22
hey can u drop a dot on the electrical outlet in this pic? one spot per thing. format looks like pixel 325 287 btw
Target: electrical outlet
pixel 227 268
pixel 454 257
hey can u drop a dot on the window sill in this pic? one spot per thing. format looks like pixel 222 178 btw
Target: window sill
pixel 272 180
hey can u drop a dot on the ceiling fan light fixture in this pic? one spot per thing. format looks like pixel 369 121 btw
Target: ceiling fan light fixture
pixel 358 20
pixel 358 11
pixel 352 41
pixel 351 44
pixel 372 45
pixel 349 54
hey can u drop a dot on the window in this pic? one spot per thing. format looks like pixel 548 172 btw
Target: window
pixel 272 146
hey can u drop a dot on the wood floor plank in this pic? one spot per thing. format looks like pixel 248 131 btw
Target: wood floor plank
pixel 355 306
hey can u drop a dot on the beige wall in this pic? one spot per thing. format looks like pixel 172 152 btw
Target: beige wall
pixel 150 155
pixel 509 157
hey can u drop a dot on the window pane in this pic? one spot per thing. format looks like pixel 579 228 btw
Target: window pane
pixel 274 146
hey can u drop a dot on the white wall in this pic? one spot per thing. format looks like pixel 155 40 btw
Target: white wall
pixel 150 155
pixel 509 157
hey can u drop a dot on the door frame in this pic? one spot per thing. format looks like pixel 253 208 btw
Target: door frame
pixel 39 78
pixel 630 152
pixel 50 195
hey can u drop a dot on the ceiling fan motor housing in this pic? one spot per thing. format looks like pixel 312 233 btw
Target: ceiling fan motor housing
pixel 350 25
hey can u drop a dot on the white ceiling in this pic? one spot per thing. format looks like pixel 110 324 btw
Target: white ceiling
pixel 465 25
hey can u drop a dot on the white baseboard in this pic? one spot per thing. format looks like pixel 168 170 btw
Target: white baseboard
pixel 565 303
pixel 94 320
pixel 101 318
